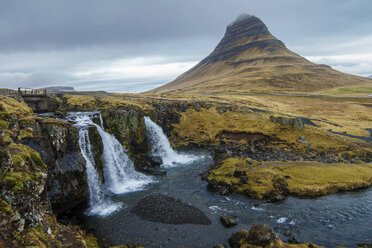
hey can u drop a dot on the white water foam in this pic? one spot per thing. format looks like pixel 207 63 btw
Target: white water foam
pixel 99 204
pixel 118 168
pixel 257 209
pixel 161 147
pixel 281 220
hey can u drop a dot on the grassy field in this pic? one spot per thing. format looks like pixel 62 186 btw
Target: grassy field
pixel 298 178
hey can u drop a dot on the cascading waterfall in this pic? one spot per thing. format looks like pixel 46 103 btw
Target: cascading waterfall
pixel 161 147
pixel 119 173
pixel 101 121
pixel 99 204
pixel 119 170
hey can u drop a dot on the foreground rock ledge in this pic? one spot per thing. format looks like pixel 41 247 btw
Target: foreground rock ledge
pixel 261 236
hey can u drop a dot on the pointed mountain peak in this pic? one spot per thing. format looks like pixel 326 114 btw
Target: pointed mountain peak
pixel 250 59
pixel 241 18
pixel 247 25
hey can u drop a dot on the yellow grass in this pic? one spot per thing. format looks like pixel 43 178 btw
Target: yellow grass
pixel 303 178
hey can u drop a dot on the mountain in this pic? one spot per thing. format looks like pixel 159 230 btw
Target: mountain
pixel 250 59
pixel 370 76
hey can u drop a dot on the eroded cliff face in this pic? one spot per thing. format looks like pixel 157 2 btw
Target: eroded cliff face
pixel 57 143
pixel 41 173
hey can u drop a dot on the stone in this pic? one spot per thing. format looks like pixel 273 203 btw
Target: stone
pixel 244 180
pixel 298 124
pixel 219 246
pixel 276 197
pixel 302 140
pixel 213 185
pixel 239 172
pixel 364 245
pixel 287 233
pixel 293 240
pixel 238 239
pixel 156 160
pixel 228 221
pixel 261 235
pixel 167 210
pixel 156 172
pixel 224 190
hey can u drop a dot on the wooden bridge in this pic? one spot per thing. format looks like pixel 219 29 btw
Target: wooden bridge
pixel 31 92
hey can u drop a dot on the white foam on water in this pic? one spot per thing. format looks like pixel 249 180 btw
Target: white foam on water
pixel 257 209
pixel 281 220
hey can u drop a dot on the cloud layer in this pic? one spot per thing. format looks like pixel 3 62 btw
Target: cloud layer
pixel 132 46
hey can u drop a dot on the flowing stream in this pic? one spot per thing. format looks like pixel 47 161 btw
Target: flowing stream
pixel 334 220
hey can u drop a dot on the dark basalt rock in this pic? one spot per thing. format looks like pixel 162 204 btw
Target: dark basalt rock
pixel 167 210
pixel 228 221
pixel 293 240
pixel 260 235
pixel 57 143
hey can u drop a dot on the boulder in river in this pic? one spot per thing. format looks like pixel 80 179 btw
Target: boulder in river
pixel 260 235
pixel 228 221
pixel 165 209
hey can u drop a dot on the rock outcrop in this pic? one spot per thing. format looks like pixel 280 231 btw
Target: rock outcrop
pixel 33 186
pixel 261 236
pixel 57 143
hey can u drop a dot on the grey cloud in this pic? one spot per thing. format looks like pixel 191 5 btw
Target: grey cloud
pixel 43 40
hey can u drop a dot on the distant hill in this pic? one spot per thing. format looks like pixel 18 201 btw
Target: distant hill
pixel 370 76
pixel 58 88
pixel 250 59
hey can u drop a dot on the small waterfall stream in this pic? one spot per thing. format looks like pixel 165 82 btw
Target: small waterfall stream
pixel 161 147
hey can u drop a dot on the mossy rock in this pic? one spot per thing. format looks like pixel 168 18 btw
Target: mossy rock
pixel 129 129
pixel 97 149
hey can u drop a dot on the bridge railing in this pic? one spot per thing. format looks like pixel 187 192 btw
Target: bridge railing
pixel 31 92
pixel 8 92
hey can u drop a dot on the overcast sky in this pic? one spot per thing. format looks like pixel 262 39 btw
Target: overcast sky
pixel 137 45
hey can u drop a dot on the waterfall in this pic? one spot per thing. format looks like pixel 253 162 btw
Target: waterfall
pixel 119 173
pixel 99 204
pixel 118 168
pixel 161 147
pixel 101 121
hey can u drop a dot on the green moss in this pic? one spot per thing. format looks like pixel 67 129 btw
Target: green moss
pixel 78 102
pixel 16 180
pixel 23 153
pixel 11 106
pixel 25 133
pixel 4 124
pixel 299 178
pixel 91 241
pixel 5 208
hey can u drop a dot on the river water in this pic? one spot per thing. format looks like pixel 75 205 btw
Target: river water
pixel 335 220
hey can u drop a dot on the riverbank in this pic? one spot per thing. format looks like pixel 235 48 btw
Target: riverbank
pixel 276 180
